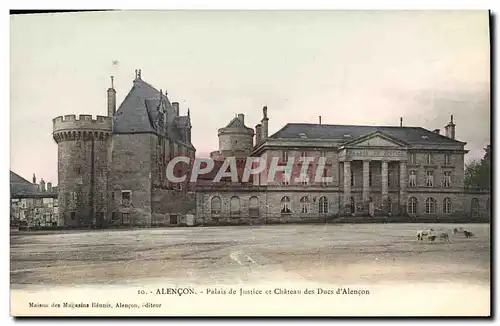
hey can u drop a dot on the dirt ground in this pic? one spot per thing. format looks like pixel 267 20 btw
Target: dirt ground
pixel 362 253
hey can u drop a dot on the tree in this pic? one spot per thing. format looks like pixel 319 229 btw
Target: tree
pixel 478 172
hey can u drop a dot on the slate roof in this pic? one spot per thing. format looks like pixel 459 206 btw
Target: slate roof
pixel 236 123
pixel 16 178
pixel 21 186
pixel 410 135
pixel 139 111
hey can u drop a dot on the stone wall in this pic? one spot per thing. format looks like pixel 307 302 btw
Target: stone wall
pixel 130 170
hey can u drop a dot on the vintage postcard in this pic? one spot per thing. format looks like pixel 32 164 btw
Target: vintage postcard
pixel 250 163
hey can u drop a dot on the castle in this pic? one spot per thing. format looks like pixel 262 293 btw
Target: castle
pixel 394 171
pixel 111 169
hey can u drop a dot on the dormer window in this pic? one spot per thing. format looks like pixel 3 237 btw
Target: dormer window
pixel 347 136
pixel 302 135
pixel 425 137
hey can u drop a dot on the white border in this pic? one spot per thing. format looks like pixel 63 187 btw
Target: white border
pixel 187 4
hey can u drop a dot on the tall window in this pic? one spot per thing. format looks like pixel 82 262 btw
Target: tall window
pixel 304 205
pixel 412 205
pixel 285 205
pixel 370 178
pixel 285 179
pixel 235 206
pixel 413 179
pixel 323 205
pixel 412 158
pixel 447 205
pixel 389 205
pixel 429 159
pixel 447 159
pixel 430 205
pixel 215 205
pixel 284 156
pixel 352 178
pixel 285 176
pixel 447 179
pixel 254 207
pixel 474 207
pixel 126 198
pixel 429 179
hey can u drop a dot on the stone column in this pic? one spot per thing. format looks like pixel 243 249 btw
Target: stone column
pixel 347 187
pixel 366 184
pixel 385 185
pixel 402 187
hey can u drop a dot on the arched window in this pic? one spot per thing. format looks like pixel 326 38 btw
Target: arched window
pixel 447 205
pixel 304 205
pixel 253 208
pixel 430 206
pixel 235 206
pixel 285 205
pixel 412 206
pixel 474 207
pixel 216 205
pixel 323 205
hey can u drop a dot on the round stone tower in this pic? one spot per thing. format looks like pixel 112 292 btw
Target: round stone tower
pixel 82 146
pixel 235 140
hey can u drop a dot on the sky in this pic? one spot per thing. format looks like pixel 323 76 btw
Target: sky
pixel 350 67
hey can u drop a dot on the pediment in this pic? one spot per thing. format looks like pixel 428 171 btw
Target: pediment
pixel 376 140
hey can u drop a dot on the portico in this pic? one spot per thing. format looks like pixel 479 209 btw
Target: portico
pixel 364 160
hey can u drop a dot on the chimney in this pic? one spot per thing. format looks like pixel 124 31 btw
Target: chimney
pixel 450 129
pixel 241 117
pixel 42 185
pixel 437 131
pixel 49 186
pixel 258 133
pixel 401 121
pixel 176 107
pixel 34 179
pixel 111 99
pixel 319 119
pixel 264 121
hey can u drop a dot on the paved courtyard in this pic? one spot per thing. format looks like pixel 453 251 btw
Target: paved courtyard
pixel 361 253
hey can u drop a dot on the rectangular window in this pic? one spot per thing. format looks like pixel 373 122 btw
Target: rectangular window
pixel 285 179
pixel 125 218
pixel 284 156
pixel 447 159
pixel 429 159
pixel 73 215
pixel 412 158
pixel 429 180
pixel 126 198
pixel 325 175
pixel 447 179
pixel 413 179
pixel 352 178
pixel 370 178
pixel 78 170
